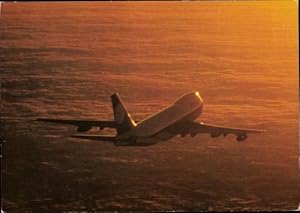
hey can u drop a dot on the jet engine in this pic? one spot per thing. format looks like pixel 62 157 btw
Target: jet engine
pixel 241 137
pixel 215 134
pixel 193 134
pixel 183 134
pixel 83 128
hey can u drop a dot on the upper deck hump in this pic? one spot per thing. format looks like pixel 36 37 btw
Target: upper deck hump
pixel 184 106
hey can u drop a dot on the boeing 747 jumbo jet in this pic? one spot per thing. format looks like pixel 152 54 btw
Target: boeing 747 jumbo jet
pixel 176 119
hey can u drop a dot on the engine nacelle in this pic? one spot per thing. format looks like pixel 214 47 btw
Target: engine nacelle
pixel 215 134
pixel 193 134
pixel 83 128
pixel 183 134
pixel 242 137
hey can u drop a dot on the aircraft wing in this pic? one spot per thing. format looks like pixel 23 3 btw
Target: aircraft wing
pixel 194 128
pixel 83 125
pixel 96 137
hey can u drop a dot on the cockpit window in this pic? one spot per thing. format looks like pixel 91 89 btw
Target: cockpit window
pixel 190 98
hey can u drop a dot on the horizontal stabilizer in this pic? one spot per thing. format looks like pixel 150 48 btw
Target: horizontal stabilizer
pixel 96 137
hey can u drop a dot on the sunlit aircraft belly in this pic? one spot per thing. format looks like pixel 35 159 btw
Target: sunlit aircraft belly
pixel 165 118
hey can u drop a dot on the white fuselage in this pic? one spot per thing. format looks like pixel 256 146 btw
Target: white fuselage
pixel 151 130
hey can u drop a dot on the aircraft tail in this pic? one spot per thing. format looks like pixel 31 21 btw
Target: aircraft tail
pixel 122 117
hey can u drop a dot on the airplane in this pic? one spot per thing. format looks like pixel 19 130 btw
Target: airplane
pixel 176 119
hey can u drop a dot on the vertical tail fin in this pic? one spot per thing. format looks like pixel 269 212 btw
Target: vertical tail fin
pixel 122 117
